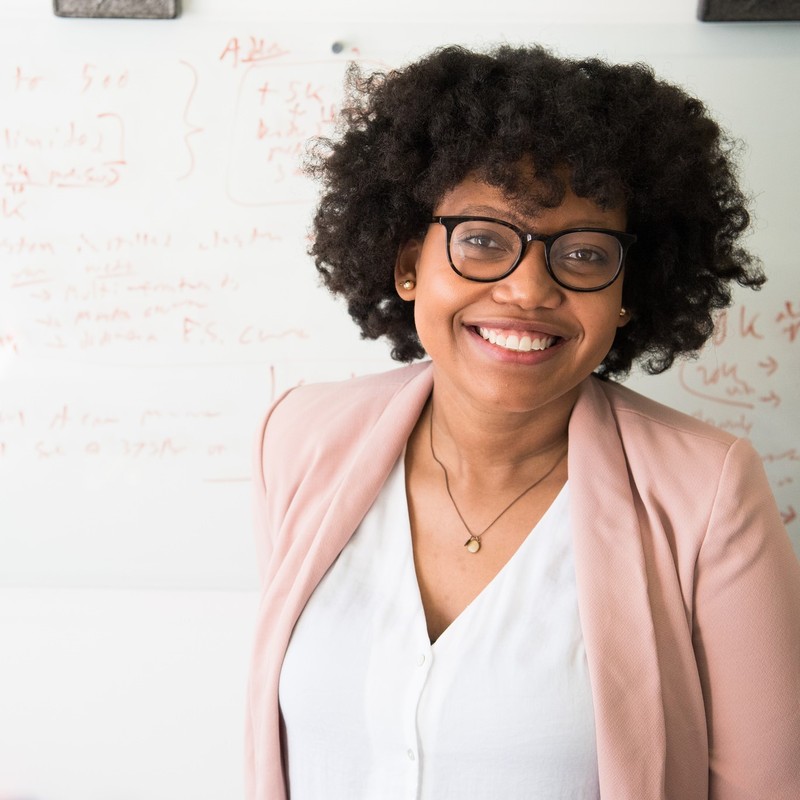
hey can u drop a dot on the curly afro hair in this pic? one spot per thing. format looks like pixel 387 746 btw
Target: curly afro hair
pixel 626 139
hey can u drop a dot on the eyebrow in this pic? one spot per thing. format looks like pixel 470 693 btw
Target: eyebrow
pixel 491 211
pixel 524 224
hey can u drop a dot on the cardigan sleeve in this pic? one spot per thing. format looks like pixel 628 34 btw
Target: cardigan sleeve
pixel 263 534
pixel 747 638
pixel 259 495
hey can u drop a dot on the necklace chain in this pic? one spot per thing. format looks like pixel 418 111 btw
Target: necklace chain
pixel 473 544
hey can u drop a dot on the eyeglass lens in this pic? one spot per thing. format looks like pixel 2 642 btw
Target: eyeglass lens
pixel 580 259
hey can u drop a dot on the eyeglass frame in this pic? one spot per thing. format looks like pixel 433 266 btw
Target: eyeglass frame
pixel 451 222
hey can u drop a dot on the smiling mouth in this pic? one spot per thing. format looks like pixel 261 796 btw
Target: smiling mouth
pixel 521 343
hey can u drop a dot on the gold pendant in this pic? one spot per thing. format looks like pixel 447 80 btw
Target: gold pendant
pixel 473 544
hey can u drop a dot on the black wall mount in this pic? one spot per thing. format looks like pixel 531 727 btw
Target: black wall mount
pixel 749 10
pixel 125 9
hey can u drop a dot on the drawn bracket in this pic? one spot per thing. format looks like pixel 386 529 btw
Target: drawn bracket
pixel 120 9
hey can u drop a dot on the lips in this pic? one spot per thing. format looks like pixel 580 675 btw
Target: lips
pixel 519 341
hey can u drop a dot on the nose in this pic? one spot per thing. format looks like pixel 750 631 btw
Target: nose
pixel 530 284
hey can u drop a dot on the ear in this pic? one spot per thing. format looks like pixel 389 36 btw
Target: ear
pixel 405 269
pixel 624 317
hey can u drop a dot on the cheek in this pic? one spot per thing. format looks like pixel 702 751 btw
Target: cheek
pixel 601 324
pixel 433 318
pixel 438 308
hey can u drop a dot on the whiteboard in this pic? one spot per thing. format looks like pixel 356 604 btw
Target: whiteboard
pixel 155 292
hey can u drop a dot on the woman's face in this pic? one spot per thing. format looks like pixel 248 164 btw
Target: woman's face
pixel 475 332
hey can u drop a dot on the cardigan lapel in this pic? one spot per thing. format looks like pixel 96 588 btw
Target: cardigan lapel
pixel 613 601
pixel 368 471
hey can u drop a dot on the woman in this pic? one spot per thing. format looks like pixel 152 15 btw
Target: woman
pixel 498 574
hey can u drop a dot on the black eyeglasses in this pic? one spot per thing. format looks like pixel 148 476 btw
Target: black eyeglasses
pixel 484 249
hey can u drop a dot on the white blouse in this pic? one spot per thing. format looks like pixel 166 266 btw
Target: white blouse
pixel 499 706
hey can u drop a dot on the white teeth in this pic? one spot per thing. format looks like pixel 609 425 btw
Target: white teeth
pixel 513 342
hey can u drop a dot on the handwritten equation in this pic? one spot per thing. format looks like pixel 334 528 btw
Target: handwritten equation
pixel 115 426
pixel 280 108
pixel 78 144
pixel 114 291
pixel 81 128
pixel 746 382
pixel 88 437
pixel 726 379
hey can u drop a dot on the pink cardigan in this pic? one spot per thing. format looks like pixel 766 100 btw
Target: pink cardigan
pixel 689 591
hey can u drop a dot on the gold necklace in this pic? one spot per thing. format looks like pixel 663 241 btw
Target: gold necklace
pixel 473 544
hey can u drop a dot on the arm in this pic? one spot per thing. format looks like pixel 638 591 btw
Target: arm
pixel 747 638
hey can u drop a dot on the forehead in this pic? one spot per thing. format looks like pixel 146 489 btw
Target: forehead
pixel 475 196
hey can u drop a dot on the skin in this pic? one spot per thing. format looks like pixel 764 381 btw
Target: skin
pixel 499 418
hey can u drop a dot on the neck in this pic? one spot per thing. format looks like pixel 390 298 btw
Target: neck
pixel 495 445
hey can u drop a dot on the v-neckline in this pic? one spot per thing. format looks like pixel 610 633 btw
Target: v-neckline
pixel 492 584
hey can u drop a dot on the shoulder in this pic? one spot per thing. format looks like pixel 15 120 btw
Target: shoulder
pixel 639 416
pixel 330 418
pixel 700 486
pixel 671 457
pixel 318 406
pixel 316 438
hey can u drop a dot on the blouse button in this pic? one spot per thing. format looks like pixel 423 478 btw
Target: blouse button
pixel 410 754
pixel 420 659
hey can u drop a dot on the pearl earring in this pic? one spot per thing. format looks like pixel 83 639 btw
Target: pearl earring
pixel 623 312
pixel 408 285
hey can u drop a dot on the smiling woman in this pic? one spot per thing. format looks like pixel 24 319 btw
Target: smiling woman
pixel 498 573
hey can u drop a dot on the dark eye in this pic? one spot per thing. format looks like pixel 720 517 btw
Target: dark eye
pixel 585 251
pixel 481 241
pixel 476 240
pixel 585 254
